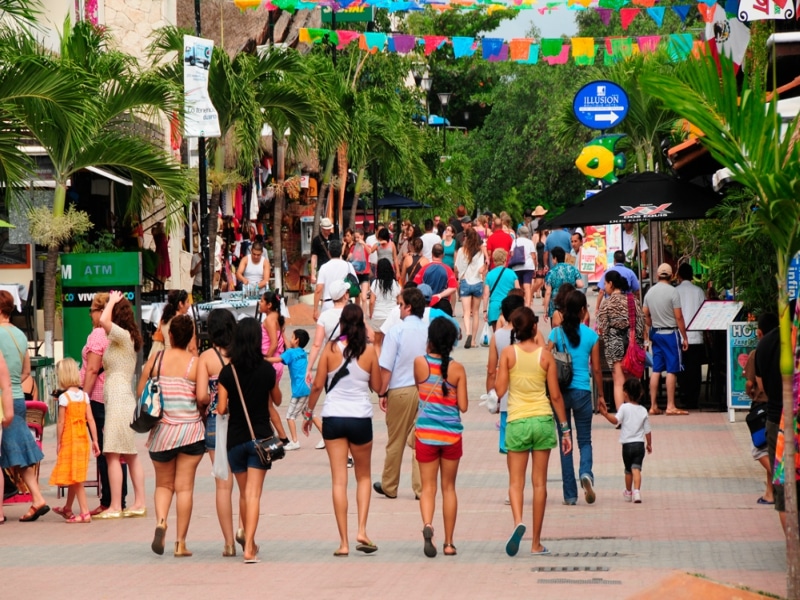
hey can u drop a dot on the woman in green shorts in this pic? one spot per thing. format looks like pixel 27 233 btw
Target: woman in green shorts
pixel 525 367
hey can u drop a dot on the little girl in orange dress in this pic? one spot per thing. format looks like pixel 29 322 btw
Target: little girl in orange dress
pixel 74 414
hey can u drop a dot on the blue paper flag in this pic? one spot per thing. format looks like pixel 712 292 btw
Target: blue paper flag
pixel 657 14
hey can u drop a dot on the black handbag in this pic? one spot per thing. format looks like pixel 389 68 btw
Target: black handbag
pixel 563 362
pixel 756 421
pixel 268 449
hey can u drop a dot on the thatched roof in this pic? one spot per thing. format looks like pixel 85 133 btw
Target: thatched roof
pixel 222 20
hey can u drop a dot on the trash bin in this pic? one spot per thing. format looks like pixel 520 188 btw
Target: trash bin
pixel 43 372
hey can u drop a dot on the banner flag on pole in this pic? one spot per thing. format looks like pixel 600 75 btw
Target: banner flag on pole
pixel 200 116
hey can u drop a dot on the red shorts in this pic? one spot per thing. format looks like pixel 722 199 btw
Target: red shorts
pixel 428 453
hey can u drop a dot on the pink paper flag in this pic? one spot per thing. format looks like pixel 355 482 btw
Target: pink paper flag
pixel 560 59
pixel 648 43
pixel 433 42
pixel 627 15
pixel 346 37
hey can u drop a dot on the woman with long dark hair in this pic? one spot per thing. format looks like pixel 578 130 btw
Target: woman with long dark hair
pixel 348 371
pixel 272 342
pixel 413 261
pixel 177 304
pixel 384 291
pixel 442 385
pixel 582 345
pixel 259 392
pixel 528 372
pixel 221 328
pixel 119 362
pixel 613 322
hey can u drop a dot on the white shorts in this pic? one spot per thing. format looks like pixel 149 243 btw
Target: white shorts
pixel 296 407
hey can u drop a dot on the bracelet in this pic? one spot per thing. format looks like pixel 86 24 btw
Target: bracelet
pixel 564 427
pixel 308 415
pixel 566 432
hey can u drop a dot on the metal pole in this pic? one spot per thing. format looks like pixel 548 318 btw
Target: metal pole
pixel 205 251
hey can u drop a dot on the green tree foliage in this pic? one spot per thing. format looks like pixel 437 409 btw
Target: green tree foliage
pixel 590 24
pixel 518 148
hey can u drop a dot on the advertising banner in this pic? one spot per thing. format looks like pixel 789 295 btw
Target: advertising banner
pixel 200 116
pixel 741 341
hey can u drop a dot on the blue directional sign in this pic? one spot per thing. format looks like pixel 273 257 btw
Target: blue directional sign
pixel 600 104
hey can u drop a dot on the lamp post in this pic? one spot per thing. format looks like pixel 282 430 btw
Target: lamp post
pixel 423 81
pixel 444 99
pixel 466 119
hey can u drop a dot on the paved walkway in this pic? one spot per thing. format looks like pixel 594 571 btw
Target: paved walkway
pixel 699 516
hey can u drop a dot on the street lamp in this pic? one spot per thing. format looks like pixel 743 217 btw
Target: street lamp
pixel 444 99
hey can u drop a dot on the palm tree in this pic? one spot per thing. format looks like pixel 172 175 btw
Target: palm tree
pixel 248 91
pixel 746 137
pixel 100 133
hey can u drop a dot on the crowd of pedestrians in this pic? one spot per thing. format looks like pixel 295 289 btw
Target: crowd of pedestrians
pixel 385 328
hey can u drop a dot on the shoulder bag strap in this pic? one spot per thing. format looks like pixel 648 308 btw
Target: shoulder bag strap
pixel 631 318
pixel 21 353
pixel 412 270
pixel 491 291
pixel 324 245
pixel 335 379
pixel 244 406
pixel 157 364
pixel 219 355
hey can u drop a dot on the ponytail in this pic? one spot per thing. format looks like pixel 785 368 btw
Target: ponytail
pixel 445 364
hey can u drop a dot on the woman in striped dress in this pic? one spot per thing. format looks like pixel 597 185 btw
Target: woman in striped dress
pixel 177 443
pixel 442 385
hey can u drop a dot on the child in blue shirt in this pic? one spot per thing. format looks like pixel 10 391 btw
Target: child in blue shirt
pixel 296 359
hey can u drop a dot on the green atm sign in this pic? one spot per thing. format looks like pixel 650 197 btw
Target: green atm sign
pixel 101 269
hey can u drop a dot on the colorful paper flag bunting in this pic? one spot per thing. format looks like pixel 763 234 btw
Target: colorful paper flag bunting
pixel 491 47
pixel 627 15
pixel 464 46
pixel 681 11
pixel 657 14
pixel 433 42
pixel 604 14
pixel 583 51
pixel 648 43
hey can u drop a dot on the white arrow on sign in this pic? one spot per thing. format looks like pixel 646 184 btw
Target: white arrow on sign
pixel 610 117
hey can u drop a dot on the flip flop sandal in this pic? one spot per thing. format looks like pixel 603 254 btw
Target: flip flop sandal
pixel 512 545
pixel 158 538
pixel 429 548
pixel 451 547
pixel 366 547
pixel 34 513
pixel 79 519
pixel 64 512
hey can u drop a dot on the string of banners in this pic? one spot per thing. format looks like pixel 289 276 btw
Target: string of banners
pixel 745 10
pixel 555 51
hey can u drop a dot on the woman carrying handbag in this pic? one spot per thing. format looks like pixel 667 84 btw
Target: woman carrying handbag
pixel 249 410
pixel 581 343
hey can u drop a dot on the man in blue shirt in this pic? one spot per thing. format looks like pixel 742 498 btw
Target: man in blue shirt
pixel 627 274
pixel 558 238
pixel 399 397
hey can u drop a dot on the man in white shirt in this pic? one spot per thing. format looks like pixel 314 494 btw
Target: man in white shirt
pixel 335 269
pixel 399 397
pixel 429 238
pixel 692 298
pixel 629 247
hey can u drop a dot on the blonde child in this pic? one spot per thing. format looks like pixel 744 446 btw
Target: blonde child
pixel 74 414
pixel 634 435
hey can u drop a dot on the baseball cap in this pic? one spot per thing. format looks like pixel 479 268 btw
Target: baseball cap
pixel 326 223
pixel 465 219
pixel 426 290
pixel 664 270
pixel 337 289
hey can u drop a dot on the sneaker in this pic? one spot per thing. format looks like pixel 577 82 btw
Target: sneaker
pixel 350 462
pixel 628 495
pixel 637 497
pixel 292 446
pixel 508 501
pixel 570 502
pixel 320 445
pixel 586 484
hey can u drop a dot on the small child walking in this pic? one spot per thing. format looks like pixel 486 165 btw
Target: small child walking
pixel 296 359
pixel 73 444
pixel 634 435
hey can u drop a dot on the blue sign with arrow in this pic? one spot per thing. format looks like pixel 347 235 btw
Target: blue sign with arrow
pixel 600 105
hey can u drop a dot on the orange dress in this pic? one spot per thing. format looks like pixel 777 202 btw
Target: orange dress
pixel 72 464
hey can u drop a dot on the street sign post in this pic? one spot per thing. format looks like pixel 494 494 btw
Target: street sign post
pixel 600 105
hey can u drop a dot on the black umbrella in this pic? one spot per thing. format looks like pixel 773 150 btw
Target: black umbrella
pixel 641 197
pixel 395 200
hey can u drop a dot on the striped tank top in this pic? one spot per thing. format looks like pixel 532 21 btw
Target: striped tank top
pixel 181 424
pixel 438 419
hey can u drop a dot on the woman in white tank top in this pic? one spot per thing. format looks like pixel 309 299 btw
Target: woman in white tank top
pixel 254 269
pixel 348 371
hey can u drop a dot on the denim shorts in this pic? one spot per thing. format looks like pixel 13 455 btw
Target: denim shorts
pixel 243 457
pixel 211 431
pixel 465 289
